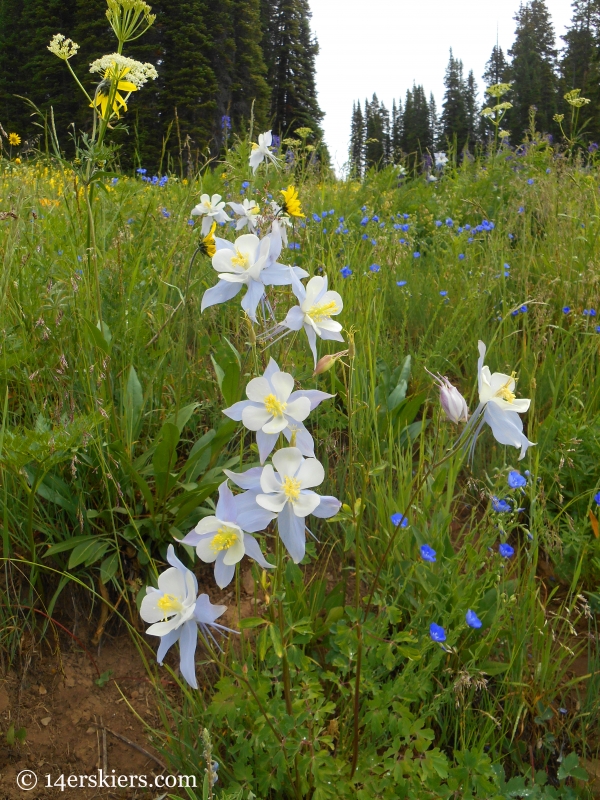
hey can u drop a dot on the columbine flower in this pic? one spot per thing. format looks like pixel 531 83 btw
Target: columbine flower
pixel 273 407
pixel 176 613
pixel 499 407
pixel 314 313
pixel 440 159
pixel 262 150
pixel 472 619
pixel 223 538
pixel 211 209
pixel 248 214
pixel 250 262
pixel 291 202
pixel 427 553
pixel 62 47
pixel 516 480
pixel 283 488
pixel 452 401
pixel 437 633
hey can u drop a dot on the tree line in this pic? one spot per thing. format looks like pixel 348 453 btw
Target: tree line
pixel 539 75
pixel 217 63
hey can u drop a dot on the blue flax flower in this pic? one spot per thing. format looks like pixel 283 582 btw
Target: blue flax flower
pixel 374 267
pixel 566 310
pixel 416 254
pixel 597 498
pixel 427 553
pixel 501 506
pixel 401 283
pixel 399 520
pixel 472 619
pixel 443 293
pixel 506 551
pixel 516 480
pixel 346 272
pixel 437 633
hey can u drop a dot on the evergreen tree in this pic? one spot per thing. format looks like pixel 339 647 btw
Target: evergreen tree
pixel 533 68
pixel 250 73
pixel 357 142
pixel 454 121
pixel 434 122
pixel 580 63
pixel 472 110
pixel 377 130
pixel 396 132
pixel 292 50
pixel 497 69
pixel 416 122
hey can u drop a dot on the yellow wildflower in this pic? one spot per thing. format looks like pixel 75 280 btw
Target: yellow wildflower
pixel 14 139
pixel 291 202
pixel 101 99
pixel 208 245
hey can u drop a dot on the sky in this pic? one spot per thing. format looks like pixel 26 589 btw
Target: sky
pixel 381 46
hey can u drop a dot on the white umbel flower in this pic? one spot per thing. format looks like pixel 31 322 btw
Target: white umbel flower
pixel 62 47
pixel 211 209
pixel 135 71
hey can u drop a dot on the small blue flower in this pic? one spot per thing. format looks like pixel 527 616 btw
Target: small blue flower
pixel 364 220
pixel 403 241
pixel 405 227
pixel 399 520
pixel 416 254
pixel 294 245
pixel 461 256
pixel 592 312
pixel 511 236
pixel 141 171
pixel 506 551
pixel 449 222
pixel 427 553
pixel 401 283
pixel 114 181
pixel 460 230
pixel 516 480
pixel 566 309
pixel 437 633
pixel 562 711
pixel 467 227
pixel 530 181
pixel 60 252
pixel 548 171
pixel 365 236
pixel 501 506
pixel 373 242
pixel 443 293
pixel 523 309
pixel 397 226
pixel 374 218
pixel 597 328
pixel 514 313
pixel 189 222
pixel 470 239
pixel 166 214
pixel 324 230
pixel 346 272
pixel 438 223
pixel 79 258
pixel 316 218
pixel 521 210
pixel 405 216
pixel 245 184
pixel 374 267
pixel 597 498
pixel 331 212
pixel 363 208
pixel 472 619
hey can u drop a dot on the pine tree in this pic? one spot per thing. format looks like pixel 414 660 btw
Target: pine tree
pixel 357 142
pixel 497 69
pixel 377 131
pixel 434 122
pixel 396 133
pixel 416 123
pixel 291 57
pixel 250 73
pixel 533 68
pixel 580 63
pixel 454 122
pixel 472 110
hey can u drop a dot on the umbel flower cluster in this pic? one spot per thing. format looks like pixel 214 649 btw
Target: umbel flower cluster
pixel 278 496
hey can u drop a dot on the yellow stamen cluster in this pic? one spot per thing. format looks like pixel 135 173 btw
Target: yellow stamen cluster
pixel 169 604
pixel 240 260
pixel 274 406
pixel 322 311
pixel 504 392
pixel 225 538
pixel 291 488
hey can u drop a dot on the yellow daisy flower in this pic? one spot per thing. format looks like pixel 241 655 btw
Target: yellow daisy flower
pixel 208 245
pixel 14 139
pixel 291 202
pixel 103 92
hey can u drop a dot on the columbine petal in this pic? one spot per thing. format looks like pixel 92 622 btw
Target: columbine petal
pixel 235 411
pixel 255 417
pixel 275 425
pixel 291 531
pixel 252 298
pixel 187 650
pixel 507 427
pixel 223 572
pixel 267 441
pixel 286 461
pixel 328 507
pixel 225 509
pixel 314 395
pixel 305 504
pixel 274 502
pixel 251 516
pixel 298 409
pixel 311 473
pixel 269 482
pixel 253 551
pixel 283 383
pixel 205 551
pixel 220 293
pixel 246 480
pixel 294 319
pixel 166 642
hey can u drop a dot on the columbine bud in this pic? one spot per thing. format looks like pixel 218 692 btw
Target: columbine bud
pixel 453 403
pixel 326 363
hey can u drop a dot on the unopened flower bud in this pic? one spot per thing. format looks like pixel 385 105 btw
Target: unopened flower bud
pixel 326 363
pixel 453 403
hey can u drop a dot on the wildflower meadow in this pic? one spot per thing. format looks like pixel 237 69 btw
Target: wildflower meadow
pixel 326 450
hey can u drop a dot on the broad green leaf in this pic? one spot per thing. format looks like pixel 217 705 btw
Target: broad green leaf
pixel 109 567
pixel 87 552
pixel 133 401
pixel 62 547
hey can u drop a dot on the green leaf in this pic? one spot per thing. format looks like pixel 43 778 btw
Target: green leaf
pixel 95 337
pixel 104 678
pixel 109 567
pixel 182 417
pixel 276 639
pixel 252 622
pixel 61 547
pixel 165 456
pixel 88 552
pixel 133 401
pixel 494 667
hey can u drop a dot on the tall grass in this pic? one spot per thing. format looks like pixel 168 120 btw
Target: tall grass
pixel 90 487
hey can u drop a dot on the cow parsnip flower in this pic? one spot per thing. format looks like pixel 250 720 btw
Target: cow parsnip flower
pixel 314 313
pixel 225 538
pixel 291 202
pixel 138 72
pixel 273 407
pixel 62 47
pixel 262 150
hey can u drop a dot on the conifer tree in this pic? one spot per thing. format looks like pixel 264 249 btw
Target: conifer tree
pixel 497 69
pixel 533 68
pixel 580 63
pixel 250 74
pixel 416 128
pixel 396 132
pixel 377 130
pixel 454 122
pixel 434 122
pixel 357 142
pixel 472 110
